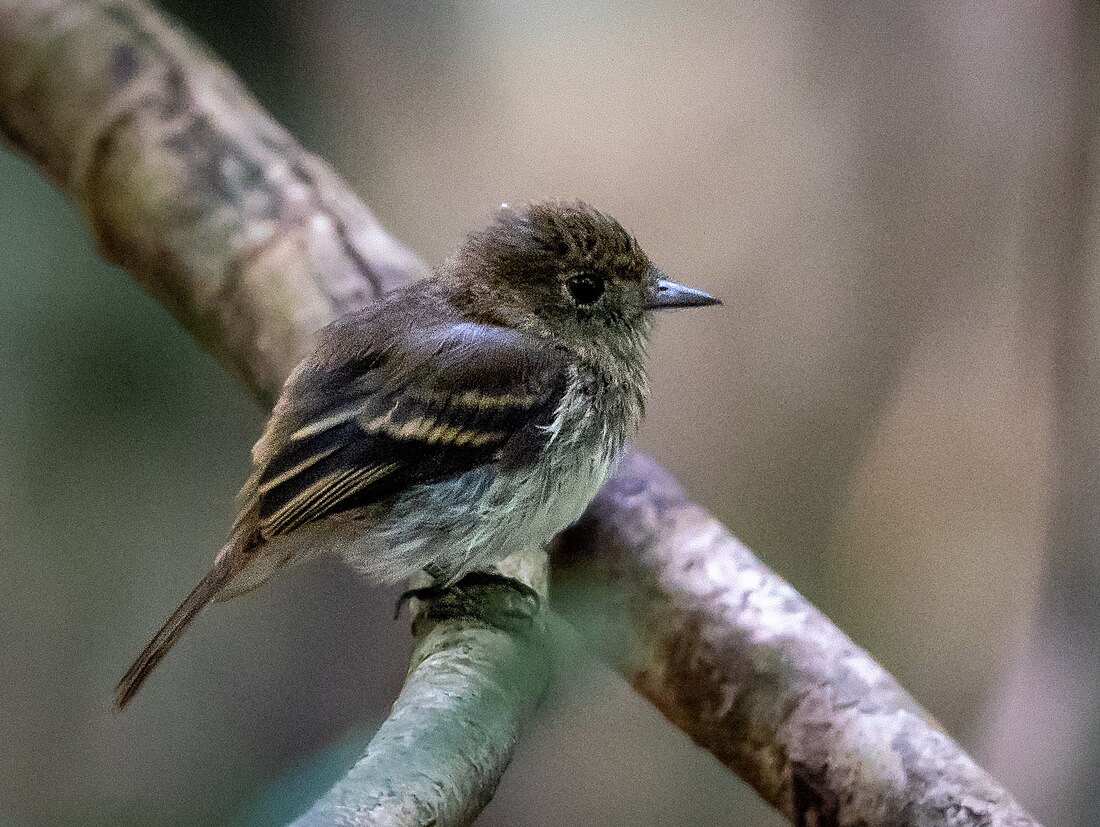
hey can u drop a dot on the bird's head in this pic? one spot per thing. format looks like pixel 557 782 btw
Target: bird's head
pixel 567 270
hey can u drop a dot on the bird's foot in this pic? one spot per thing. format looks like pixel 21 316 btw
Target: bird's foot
pixel 488 596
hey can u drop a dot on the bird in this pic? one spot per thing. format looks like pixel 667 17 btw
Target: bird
pixel 452 421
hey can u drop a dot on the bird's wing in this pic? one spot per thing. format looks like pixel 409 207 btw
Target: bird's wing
pixel 437 404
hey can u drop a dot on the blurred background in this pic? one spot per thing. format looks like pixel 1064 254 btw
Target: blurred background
pixel 896 407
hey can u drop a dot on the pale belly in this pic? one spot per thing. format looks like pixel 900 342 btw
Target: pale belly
pixel 478 519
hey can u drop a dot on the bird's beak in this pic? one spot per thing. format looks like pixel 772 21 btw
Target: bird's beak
pixel 666 294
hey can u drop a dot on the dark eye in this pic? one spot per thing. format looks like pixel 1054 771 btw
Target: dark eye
pixel 585 289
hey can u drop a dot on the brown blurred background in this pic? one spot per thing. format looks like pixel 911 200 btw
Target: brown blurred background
pixel 895 407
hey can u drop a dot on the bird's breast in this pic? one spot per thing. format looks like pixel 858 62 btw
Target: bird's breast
pixel 591 426
pixel 480 517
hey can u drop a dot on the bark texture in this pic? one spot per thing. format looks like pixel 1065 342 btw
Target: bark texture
pixel 254 244
pixel 438 757
pixel 736 658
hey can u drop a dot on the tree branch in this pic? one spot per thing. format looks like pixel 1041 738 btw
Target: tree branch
pixel 438 757
pixel 741 662
pixel 253 244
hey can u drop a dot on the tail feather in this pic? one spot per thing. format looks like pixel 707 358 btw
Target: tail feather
pixel 207 589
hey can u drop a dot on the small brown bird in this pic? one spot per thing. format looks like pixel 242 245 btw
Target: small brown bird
pixel 454 421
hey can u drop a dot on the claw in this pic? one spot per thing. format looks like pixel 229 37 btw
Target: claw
pixel 474 578
pixel 495 578
pixel 423 593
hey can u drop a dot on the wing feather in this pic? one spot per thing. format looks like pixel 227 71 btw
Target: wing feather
pixel 429 408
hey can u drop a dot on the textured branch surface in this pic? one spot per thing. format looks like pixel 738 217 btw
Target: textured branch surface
pixel 469 693
pixel 741 662
pixel 254 244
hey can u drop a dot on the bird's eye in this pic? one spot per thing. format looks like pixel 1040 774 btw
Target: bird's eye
pixel 585 289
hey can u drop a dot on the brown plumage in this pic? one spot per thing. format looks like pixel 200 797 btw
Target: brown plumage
pixel 455 420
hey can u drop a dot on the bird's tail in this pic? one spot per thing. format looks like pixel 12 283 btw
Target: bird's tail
pixel 225 567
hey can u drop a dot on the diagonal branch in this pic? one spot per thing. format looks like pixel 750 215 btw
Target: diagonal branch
pixel 736 658
pixel 253 244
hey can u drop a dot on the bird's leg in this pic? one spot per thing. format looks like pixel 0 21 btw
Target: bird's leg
pixel 477 595
pixel 438 573
pixel 493 577
pixel 441 579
